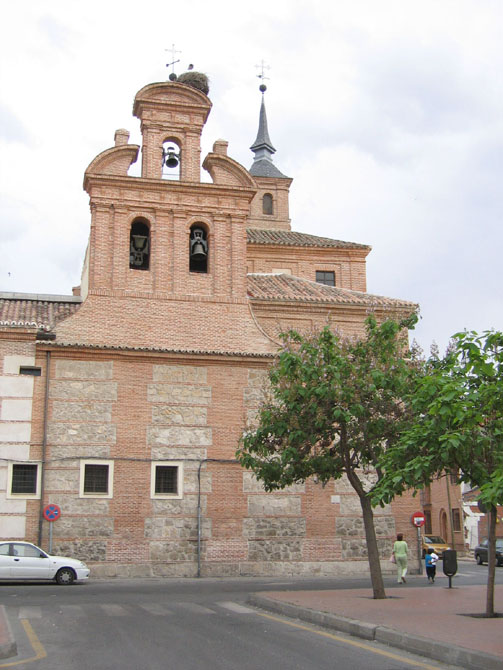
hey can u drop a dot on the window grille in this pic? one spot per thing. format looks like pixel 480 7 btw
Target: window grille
pixel 325 277
pixel 166 479
pixel 96 478
pixel 24 478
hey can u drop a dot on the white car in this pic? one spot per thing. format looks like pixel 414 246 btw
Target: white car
pixel 23 560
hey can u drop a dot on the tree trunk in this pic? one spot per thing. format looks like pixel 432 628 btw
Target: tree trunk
pixel 372 549
pixel 491 560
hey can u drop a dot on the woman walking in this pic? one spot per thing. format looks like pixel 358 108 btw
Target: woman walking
pixel 400 551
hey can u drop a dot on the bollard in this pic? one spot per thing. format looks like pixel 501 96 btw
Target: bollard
pixel 450 564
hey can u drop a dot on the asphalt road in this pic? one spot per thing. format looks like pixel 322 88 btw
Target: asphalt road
pixel 184 625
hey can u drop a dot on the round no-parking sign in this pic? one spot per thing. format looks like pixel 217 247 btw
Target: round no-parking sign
pixel 51 512
pixel 418 519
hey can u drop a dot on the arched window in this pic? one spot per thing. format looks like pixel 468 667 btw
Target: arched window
pixel 198 248
pixel 171 157
pixel 267 203
pixel 139 245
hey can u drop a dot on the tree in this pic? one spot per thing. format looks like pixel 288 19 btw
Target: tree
pixel 335 406
pixel 458 403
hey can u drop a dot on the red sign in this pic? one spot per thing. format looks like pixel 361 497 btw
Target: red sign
pixel 418 519
pixel 51 512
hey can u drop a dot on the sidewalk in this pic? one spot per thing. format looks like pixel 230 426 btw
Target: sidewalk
pixel 429 621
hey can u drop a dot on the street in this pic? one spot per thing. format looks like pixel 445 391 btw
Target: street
pixel 188 624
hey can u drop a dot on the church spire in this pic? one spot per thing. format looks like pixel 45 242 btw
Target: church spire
pixel 263 147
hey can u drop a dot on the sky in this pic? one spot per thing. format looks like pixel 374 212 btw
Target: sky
pixel 386 113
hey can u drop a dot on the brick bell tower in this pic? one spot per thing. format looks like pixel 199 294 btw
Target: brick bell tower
pixel 167 253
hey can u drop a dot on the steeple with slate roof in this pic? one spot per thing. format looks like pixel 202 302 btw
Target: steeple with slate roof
pixel 263 150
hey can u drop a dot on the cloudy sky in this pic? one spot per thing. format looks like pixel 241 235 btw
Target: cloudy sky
pixel 387 114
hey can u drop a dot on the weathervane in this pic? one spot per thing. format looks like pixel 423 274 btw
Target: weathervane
pixel 262 75
pixel 174 60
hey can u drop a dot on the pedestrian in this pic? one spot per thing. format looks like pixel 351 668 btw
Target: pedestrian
pixel 430 561
pixel 400 552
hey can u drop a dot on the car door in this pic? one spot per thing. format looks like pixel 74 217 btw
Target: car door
pixel 484 552
pixel 5 561
pixel 29 562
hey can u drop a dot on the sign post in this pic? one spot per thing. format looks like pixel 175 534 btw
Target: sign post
pixel 51 513
pixel 418 520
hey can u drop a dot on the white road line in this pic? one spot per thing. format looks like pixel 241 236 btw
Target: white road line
pixel 194 607
pixel 33 612
pixel 235 607
pixel 71 610
pixel 155 609
pixel 114 610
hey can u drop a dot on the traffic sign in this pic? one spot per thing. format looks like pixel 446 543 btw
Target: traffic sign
pixel 51 512
pixel 418 519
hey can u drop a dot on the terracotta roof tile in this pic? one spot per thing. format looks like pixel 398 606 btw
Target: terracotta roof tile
pixel 18 310
pixel 283 287
pixel 293 239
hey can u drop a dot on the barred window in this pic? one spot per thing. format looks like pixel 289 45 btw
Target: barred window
pixel 456 519
pixel 166 479
pixel 325 277
pixel 96 479
pixel 24 478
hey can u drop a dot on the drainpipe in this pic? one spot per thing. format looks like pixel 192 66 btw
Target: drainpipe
pixel 199 530
pixel 44 446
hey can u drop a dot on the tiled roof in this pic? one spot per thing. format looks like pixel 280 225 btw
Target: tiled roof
pixel 292 239
pixel 26 310
pixel 283 287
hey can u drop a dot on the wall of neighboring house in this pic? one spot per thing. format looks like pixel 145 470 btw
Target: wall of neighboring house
pixel 16 397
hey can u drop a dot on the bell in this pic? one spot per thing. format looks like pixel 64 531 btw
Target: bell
pixel 198 251
pixel 172 159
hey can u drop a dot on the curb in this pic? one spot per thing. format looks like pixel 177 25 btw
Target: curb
pixel 8 646
pixel 439 651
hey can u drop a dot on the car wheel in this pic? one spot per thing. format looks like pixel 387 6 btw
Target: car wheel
pixel 478 558
pixel 65 576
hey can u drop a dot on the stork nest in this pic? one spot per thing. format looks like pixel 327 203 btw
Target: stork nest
pixel 196 80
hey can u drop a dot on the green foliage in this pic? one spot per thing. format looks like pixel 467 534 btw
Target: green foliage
pixel 335 405
pixel 458 402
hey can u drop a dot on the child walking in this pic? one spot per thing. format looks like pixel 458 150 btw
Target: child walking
pixel 430 561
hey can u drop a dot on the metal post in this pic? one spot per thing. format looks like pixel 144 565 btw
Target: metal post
pixel 419 558
pixel 50 538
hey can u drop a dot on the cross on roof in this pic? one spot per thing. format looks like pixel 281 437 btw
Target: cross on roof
pixel 174 59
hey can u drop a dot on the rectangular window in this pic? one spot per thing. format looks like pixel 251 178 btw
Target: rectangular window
pixel 30 370
pixel 325 277
pixel 24 480
pixel 96 479
pixel 166 479
pixel 427 522
pixel 456 519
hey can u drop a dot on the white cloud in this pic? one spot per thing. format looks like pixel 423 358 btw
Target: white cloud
pixel 387 114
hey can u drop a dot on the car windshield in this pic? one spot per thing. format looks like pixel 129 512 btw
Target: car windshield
pixel 434 539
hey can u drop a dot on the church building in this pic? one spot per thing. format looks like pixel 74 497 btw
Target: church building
pixel 123 404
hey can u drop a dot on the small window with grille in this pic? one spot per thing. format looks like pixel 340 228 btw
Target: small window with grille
pixel 456 519
pixel 24 480
pixel 325 277
pixel 166 479
pixel 96 479
pixel 267 204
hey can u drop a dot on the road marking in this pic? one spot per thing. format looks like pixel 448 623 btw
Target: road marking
pixel 235 607
pixel 155 609
pixel 114 610
pixel 33 612
pixel 37 647
pixel 197 609
pixel 71 610
pixel 353 643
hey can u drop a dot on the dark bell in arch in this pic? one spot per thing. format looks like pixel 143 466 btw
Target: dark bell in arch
pixel 198 245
